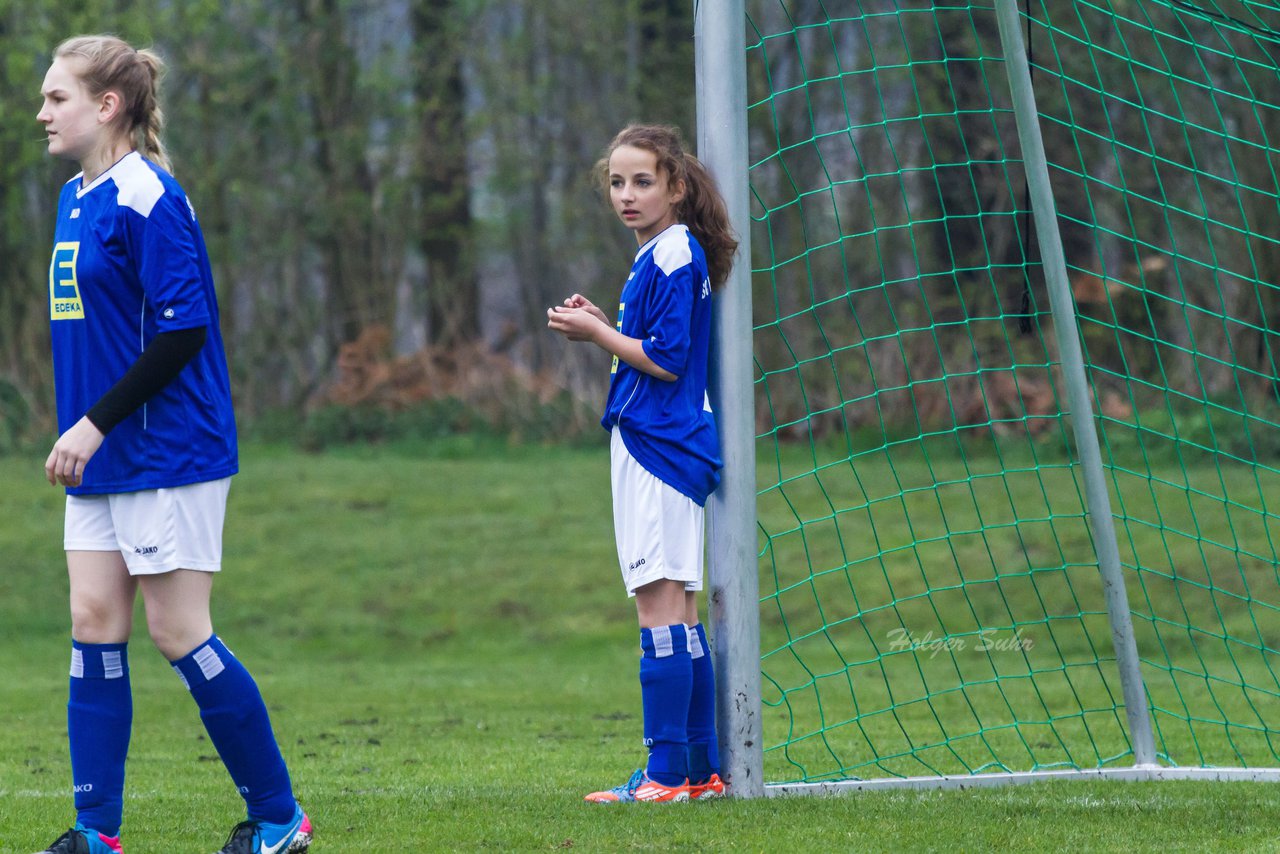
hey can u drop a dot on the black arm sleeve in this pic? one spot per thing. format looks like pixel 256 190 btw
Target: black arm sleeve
pixel 161 361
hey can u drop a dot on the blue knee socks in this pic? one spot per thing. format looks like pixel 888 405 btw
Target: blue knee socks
pixel 99 718
pixel 239 727
pixel 666 678
pixel 704 752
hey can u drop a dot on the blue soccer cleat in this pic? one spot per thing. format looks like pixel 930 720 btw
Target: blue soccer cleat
pixel 260 837
pixel 81 840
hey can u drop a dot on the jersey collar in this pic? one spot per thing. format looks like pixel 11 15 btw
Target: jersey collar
pixel 106 173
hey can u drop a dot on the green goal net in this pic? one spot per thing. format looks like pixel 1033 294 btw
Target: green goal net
pixel 931 600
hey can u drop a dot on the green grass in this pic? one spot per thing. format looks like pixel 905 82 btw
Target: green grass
pixel 450 663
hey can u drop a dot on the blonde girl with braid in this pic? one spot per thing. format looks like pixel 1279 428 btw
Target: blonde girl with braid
pixel 146 450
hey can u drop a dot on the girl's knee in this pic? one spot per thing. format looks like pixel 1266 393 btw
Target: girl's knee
pixel 95 620
pixel 175 637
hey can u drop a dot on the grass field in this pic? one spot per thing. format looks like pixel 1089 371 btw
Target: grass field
pixel 450 664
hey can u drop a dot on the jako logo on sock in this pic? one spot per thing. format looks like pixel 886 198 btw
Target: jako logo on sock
pixel 83 787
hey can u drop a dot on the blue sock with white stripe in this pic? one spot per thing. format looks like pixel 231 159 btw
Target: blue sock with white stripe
pixel 666 678
pixel 99 719
pixel 236 719
pixel 704 752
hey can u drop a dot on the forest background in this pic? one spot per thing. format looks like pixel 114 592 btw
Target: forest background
pixel 394 191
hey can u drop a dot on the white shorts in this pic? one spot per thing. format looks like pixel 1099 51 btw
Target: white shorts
pixel 658 529
pixel 156 530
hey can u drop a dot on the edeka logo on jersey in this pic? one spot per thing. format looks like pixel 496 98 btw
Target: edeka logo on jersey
pixel 64 290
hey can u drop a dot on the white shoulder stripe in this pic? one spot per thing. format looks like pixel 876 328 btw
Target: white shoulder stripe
pixel 672 251
pixel 138 186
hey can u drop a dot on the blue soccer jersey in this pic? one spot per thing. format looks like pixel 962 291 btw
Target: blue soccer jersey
pixel 129 262
pixel 668 426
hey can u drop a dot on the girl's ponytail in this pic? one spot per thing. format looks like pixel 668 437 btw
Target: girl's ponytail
pixel 704 211
pixel 148 117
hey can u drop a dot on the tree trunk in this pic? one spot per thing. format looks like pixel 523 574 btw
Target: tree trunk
pixel 441 173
